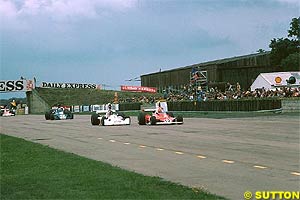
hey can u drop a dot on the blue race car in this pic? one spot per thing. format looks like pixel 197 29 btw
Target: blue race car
pixel 59 114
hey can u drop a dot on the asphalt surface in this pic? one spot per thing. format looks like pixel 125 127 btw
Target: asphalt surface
pixel 224 156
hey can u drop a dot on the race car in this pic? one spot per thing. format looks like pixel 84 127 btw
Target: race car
pixel 7 112
pixel 59 114
pixel 112 119
pixel 160 115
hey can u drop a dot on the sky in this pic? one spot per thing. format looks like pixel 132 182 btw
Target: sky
pixel 111 41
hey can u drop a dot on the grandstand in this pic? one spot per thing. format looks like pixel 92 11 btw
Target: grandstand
pixel 243 69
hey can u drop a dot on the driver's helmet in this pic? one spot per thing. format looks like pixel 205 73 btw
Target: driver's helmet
pixel 109 106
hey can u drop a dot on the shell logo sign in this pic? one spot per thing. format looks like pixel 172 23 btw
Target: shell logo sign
pixel 278 80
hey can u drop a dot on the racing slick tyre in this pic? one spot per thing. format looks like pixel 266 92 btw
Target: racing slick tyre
pixel 102 121
pixel 179 118
pixel 170 114
pixel 94 119
pixel 52 116
pixel 142 119
pixel 152 120
pixel 47 115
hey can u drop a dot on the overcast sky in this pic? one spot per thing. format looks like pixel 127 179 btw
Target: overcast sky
pixel 110 41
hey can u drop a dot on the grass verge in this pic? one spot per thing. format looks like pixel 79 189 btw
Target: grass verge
pixel 33 171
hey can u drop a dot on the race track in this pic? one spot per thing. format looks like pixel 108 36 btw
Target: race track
pixel 225 156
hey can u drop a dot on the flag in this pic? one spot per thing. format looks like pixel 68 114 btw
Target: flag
pixel 194 74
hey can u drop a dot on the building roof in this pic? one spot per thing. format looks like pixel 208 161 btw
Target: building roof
pixel 214 62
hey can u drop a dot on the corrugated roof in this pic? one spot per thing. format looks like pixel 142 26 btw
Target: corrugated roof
pixel 217 62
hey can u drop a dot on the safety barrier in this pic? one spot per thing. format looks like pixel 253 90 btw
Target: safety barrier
pixel 216 105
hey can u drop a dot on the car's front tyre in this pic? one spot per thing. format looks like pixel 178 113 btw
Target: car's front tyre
pixel 142 119
pixel 47 115
pixel 94 119
pixel 152 120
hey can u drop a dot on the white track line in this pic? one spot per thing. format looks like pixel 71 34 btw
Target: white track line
pixel 228 161
pixel 259 167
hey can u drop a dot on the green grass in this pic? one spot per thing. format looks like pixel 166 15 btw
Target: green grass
pixel 33 171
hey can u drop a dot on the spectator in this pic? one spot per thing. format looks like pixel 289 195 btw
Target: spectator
pixel 238 87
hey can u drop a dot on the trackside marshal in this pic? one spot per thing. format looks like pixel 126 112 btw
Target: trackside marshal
pixel 70 85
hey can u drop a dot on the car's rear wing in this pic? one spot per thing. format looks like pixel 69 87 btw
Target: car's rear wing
pixel 104 111
pixel 153 108
pixel 149 109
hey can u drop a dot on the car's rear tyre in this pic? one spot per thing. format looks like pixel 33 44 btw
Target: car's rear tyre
pixel 152 120
pixel 52 116
pixel 141 118
pixel 47 115
pixel 94 119
pixel 102 120
pixel 179 118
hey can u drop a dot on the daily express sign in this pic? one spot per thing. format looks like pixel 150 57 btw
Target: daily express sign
pixel 70 85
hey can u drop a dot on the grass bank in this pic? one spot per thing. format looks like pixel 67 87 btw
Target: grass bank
pixel 33 171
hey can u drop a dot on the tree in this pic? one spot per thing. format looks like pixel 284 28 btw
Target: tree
pixel 261 51
pixel 294 28
pixel 282 48
pixel 292 62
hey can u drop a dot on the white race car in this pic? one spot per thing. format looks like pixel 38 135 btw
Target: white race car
pixel 115 118
pixel 7 112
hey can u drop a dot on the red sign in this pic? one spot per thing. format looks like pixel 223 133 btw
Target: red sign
pixel 138 89
pixel 30 85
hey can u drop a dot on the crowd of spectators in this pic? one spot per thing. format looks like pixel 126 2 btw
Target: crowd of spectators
pixel 141 99
pixel 197 93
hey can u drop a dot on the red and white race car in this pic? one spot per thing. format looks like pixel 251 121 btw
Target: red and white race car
pixel 7 112
pixel 159 115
